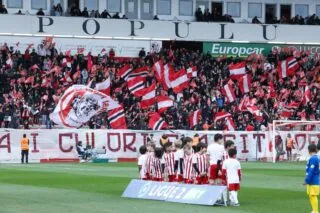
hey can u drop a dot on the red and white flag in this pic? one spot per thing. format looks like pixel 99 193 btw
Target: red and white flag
pixel 136 84
pixel 244 84
pixel 149 97
pixel 287 67
pixel 192 72
pixel 179 81
pixel 307 96
pixel 254 110
pixel 237 70
pixel 164 103
pixel 221 115
pixel 104 86
pixel 156 122
pixel 140 72
pixel 158 70
pixel 117 119
pixel 78 104
pixel 194 118
pixel 228 91
pixel 293 105
pixel 125 71
pixel 231 126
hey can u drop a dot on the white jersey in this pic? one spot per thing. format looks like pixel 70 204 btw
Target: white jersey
pixel 142 162
pixel 215 152
pixel 233 170
pixel 177 156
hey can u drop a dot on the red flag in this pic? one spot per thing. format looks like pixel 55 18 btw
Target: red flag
pixel 293 105
pixel 135 85
pixel 228 92
pixel 192 72
pixel 287 67
pixel 231 126
pixel 237 70
pixel 179 80
pixel 194 118
pixel 149 97
pixel 156 122
pixel 221 115
pixel 125 71
pixel 164 102
pixel 29 80
pixel 117 119
pixel 244 83
pixel 104 86
pixel 158 70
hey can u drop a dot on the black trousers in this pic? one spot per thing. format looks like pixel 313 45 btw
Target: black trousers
pixel 24 154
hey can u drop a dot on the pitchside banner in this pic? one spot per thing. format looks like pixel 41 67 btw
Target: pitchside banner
pixel 174 192
pixel 218 49
pixel 61 143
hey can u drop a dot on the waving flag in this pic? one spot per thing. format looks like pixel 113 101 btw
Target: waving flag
pixel 237 70
pixel 158 70
pixel 231 126
pixel 179 81
pixel 149 97
pixel 194 118
pixel 125 71
pixel 287 67
pixel 140 72
pixel 228 91
pixel 78 104
pixel 117 118
pixel 192 72
pixel 136 84
pixel 164 103
pixel 244 83
pixel 156 122
pixel 221 115
pixel 104 86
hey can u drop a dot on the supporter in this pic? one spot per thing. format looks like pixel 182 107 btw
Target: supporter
pixel 206 15
pixel 40 12
pixel 199 15
pixel 255 20
pixel 124 16
pixel 85 12
pixel 155 17
pixel 142 53
pixel 116 16
pixel 105 14
pixel 19 13
pixel 3 9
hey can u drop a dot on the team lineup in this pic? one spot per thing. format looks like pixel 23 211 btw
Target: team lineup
pixel 190 162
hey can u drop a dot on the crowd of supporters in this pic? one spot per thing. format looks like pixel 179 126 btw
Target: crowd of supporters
pixel 32 82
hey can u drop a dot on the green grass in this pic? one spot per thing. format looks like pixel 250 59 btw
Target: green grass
pixel 80 188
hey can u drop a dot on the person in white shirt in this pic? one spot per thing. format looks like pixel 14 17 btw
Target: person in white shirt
pixel 142 162
pixel 232 169
pixel 215 154
pixel 178 159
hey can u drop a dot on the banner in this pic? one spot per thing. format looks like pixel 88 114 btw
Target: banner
pixel 174 192
pixel 122 48
pixel 242 50
pixel 61 143
pixel 79 27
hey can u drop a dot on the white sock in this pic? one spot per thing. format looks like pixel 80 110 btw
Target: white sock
pixel 231 196
pixel 225 196
pixel 235 197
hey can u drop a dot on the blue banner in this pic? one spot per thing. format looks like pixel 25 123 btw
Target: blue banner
pixel 174 192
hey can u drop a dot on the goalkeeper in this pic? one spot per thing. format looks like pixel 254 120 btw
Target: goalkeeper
pixel 312 178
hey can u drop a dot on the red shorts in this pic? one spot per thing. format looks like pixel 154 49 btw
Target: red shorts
pixel 171 178
pixel 214 170
pixel 188 181
pixel 179 178
pixel 234 186
pixel 147 177
pixel 202 180
pixel 157 179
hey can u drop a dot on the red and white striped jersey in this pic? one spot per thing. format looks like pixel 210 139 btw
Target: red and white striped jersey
pixel 169 163
pixel 201 161
pixel 149 163
pixel 177 156
pixel 156 170
pixel 187 167
pixel 225 155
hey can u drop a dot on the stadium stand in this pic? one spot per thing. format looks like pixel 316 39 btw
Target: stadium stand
pixel 33 81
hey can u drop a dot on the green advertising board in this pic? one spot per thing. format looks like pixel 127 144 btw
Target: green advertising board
pixel 242 50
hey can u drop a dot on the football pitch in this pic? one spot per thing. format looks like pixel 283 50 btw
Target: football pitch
pixel 82 188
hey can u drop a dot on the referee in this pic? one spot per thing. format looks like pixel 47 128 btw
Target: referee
pixel 24 148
